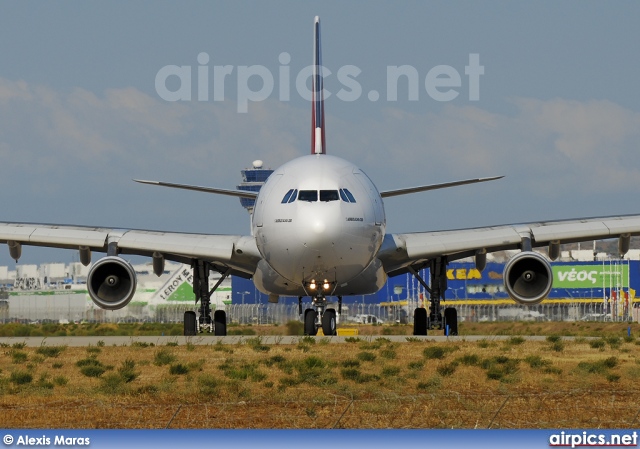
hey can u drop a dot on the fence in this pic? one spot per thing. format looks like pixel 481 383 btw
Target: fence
pixel 76 308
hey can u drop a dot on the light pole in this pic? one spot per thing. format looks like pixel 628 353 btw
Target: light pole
pixel 243 293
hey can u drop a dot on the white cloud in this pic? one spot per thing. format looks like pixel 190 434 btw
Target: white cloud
pixel 57 141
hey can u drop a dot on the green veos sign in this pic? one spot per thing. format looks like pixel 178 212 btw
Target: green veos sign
pixel 590 276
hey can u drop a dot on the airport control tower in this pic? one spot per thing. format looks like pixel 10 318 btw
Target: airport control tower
pixel 252 180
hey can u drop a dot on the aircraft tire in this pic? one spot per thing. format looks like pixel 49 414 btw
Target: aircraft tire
pixel 420 321
pixel 220 323
pixel 310 322
pixel 451 320
pixel 190 327
pixel 329 323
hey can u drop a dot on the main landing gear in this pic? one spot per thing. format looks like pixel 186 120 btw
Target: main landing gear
pixel 204 323
pixel 435 319
pixel 320 317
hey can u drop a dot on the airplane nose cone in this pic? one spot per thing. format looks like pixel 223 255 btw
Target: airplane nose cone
pixel 319 226
pixel 319 229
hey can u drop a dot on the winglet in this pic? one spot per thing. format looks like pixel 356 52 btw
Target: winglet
pixel 318 145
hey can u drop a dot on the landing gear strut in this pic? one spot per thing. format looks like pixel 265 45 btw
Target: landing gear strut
pixel 435 319
pixel 320 317
pixel 204 323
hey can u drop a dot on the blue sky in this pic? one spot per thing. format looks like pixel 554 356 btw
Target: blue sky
pixel 80 116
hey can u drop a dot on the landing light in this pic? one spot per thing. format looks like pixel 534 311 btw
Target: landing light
pixel 326 285
pixel 312 285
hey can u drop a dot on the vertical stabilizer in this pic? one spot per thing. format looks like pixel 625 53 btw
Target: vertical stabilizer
pixel 317 97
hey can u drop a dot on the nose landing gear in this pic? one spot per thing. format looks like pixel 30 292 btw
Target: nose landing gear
pixel 320 317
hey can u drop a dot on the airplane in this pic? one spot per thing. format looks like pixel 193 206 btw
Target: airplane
pixel 318 230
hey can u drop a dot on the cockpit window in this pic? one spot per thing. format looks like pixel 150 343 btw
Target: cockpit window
pixel 347 196
pixel 290 196
pixel 287 196
pixel 308 195
pixel 329 195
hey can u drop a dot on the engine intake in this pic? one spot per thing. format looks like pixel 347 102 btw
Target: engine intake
pixel 111 283
pixel 528 278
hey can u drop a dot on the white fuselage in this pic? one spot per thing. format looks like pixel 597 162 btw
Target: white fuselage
pixel 318 220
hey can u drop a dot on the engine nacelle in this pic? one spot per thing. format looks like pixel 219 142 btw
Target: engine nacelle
pixel 528 278
pixel 111 283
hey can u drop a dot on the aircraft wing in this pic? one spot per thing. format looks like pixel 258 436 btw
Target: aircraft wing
pixel 401 251
pixel 231 251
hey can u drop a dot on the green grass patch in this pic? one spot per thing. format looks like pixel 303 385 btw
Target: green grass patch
pixel 390 371
pixel 366 356
pixel 18 357
pixel 178 369
pixel 163 357
pixel 50 351
pixel 447 369
pixel 469 359
pixel 20 377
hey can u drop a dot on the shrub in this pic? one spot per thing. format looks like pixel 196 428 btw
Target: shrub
pixel 469 359
pixel 178 369
pixel 89 361
pixel 20 377
pixel 613 377
pixel 434 352
pixel 294 327
pixel 350 373
pixel 274 360
pixel 432 383
pixel 112 384
pixel 418 365
pixel 388 353
pixel 614 342
pixel 93 370
pixel 366 356
pixel 61 381
pixel 260 348
pixel 351 363
pixel 18 357
pixel 599 366
pixel 163 357
pixel 447 369
pixel 535 361
pixel 50 351
pixel 495 373
pixel 208 384
pixel 313 362
pixel 126 371
pixel 390 371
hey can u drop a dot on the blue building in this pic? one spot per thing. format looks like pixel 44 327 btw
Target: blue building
pixel 573 281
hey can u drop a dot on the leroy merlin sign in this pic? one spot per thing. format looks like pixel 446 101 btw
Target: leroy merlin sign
pixel 590 276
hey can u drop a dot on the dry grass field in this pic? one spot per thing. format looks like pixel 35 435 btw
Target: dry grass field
pixel 367 382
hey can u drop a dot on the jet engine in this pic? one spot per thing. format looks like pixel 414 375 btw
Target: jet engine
pixel 528 278
pixel 111 283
